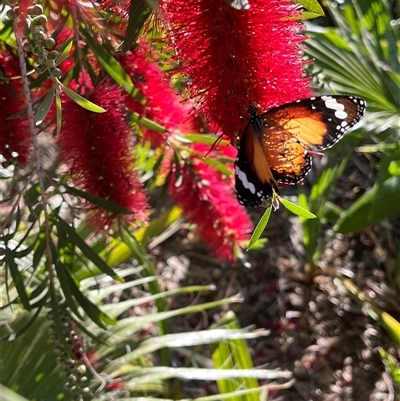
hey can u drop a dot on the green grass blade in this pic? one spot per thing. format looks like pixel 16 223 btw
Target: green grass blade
pixel 378 203
pixel 9 395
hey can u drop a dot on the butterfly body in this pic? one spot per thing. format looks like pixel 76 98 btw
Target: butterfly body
pixel 274 147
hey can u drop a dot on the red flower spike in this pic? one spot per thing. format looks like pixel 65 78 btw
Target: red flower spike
pixel 207 199
pixel 15 135
pixel 97 149
pixel 234 58
pixel 162 105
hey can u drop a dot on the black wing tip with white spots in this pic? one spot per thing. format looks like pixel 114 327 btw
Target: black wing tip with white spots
pixel 250 192
pixel 342 122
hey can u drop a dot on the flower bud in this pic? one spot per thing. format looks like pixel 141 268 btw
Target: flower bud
pixel 39 34
pixel 56 72
pixel 28 47
pixel 37 9
pixel 53 55
pixel 39 20
pixel 41 58
pixel 49 43
pixel 81 370
pixel 40 69
pixel 11 14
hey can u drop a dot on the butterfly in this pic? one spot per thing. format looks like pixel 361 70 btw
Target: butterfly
pixel 275 146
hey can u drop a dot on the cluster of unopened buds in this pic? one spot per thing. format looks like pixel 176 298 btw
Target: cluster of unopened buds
pixel 72 360
pixel 32 26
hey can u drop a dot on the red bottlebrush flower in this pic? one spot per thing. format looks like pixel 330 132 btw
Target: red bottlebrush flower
pixel 162 105
pixel 117 8
pixel 207 199
pixel 97 148
pixel 15 135
pixel 235 58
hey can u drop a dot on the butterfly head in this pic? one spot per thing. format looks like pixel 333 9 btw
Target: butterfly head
pixel 253 112
pixel 255 119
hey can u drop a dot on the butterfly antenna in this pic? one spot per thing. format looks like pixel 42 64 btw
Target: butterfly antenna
pixel 216 142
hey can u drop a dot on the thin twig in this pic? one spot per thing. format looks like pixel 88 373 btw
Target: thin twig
pixel 36 149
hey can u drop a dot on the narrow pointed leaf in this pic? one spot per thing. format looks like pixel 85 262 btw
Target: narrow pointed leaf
pixel 17 278
pixel 147 123
pixel 9 395
pixel 378 203
pixel 296 209
pixel 312 6
pixel 113 68
pixel 92 310
pixel 78 99
pixel 139 11
pixel 64 53
pixel 44 107
pixel 259 228
pixel 391 325
pixel 217 165
pixel 104 203
pixel 58 113
pixel 87 250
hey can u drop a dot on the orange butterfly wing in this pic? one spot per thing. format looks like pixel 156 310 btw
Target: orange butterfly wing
pixel 317 122
pixel 286 157
pixel 274 145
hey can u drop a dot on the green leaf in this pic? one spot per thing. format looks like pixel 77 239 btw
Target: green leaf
pixel 64 53
pixel 86 249
pixel 9 395
pixel 234 353
pixel 296 209
pixel 190 339
pixel 17 277
pixel 44 107
pixel 391 325
pixel 59 112
pixel 163 226
pixel 66 288
pixel 259 228
pixel 78 99
pixel 39 248
pixel 139 11
pixel 113 68
pixel 394 167
pixel 105 204
pixel 94 313
pixel 312 6
pixel 392 365
pixel 306 15
pixel 378 203
pixel 164 373
pixel 208 139
pixel 29 365
pixel 145 122
pixel 217 165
